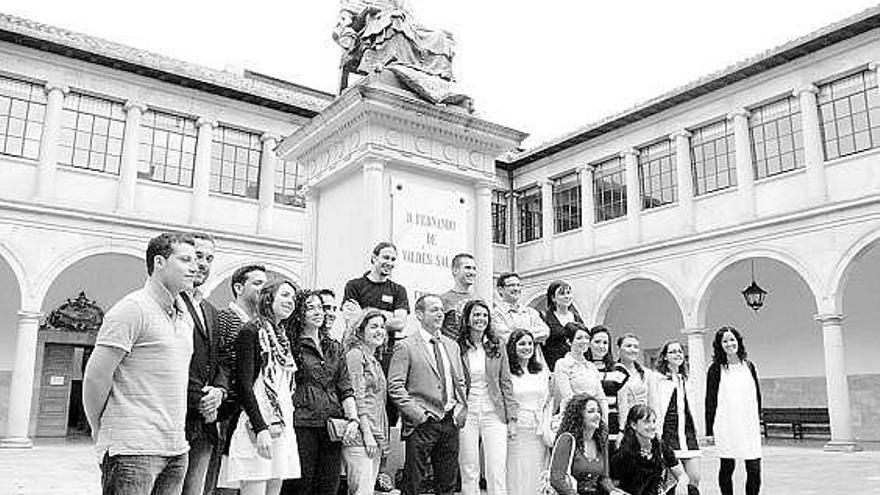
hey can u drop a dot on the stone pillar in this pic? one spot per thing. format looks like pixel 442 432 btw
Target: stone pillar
pixel 48 163
pixel 202 171
pixel 633 195
pixel 310 238
pixel 813 154
pixel 22 387
pixel 685 181
pixel 483 240
pixel 696 349
pixel 745 175
pixel 836 384
pixel 268 166
pixel 547 223
pixel 374 201
pixel 588 211
pixel 125 195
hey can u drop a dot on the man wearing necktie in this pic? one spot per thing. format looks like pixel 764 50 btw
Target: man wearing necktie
pixel 426 382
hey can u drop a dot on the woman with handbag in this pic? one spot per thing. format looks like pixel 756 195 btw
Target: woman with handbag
pixel 579 463
pixel 263 446
pixel 491 409
pixel 363 454
pixel 324 407
pixel 643 462
pixel 526 452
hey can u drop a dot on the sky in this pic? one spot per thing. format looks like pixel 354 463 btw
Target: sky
pixel 545 68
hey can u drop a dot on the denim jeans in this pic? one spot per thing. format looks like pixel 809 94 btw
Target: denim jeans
pixel 143 474
pixel 320 463
pixel 200 453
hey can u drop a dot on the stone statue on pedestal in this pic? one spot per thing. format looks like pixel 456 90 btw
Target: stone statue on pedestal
pixel 383 37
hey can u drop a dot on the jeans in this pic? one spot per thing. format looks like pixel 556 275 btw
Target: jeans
pixel 195 483
pixel 320 463
pixel 360 470
pixel 488 426
pixel 143 474
pixel 433 442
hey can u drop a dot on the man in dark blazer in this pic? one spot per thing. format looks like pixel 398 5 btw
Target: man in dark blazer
pixel 208 384
pixel 426 382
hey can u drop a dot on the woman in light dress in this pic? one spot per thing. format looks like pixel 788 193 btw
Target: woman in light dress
pixel 527 456
pixel 673 407
pixel 263 448
pixel 733 410
pixel 574 374
pixel 637 388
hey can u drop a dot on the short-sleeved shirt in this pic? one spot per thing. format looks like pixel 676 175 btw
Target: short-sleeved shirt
pixel 387 295
pixel 146 409
pixel 453 306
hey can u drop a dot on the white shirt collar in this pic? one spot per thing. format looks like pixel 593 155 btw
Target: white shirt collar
pixel 241 313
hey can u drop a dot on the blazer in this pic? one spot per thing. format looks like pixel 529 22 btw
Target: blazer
pixel 414 382
pixel 204 366
pixel 713 379
pixel 500 384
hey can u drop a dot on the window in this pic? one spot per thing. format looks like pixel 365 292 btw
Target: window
pixel 850 112
pixel 22 108
pixel 499 217
pixel 777 139
pixel 91 133
pixel 657 174
pixel 713 157
pixel 289 182
pixel 530 217
pixel 235 162
pixel 567 203
pixel 609 189
pixel 167 151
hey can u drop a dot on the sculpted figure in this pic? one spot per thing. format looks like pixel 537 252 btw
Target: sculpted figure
pixel 383 34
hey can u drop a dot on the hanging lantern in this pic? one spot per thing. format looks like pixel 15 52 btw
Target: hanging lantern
pixel 754 294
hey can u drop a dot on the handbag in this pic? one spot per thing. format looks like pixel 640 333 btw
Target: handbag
pixel 544 485
pixel 550 421
pixel 336 429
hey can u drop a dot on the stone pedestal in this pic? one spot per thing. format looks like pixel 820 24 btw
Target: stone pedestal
pixel 382 164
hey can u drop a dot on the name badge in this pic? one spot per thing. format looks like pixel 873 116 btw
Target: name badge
pixel 387 298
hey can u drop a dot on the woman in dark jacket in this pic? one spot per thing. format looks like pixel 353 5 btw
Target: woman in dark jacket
pixel 559 312
pixel 323 391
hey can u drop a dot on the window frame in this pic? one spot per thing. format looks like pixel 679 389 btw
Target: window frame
pixel 530 214
pixel 618 202
pixel 835 102
pixel 789 143
pixel 31 124
pixel 500 217
pixel 653 167
pixel 704 140
pixel 86 126
pixel 188 131
pixel 567 202
pixel 251 170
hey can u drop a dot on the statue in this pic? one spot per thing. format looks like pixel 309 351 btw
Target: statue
pixel 383 37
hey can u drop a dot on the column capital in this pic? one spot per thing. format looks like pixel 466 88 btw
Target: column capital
pixel 586 169
pixel 740 112
pixel 27 315
pixel 57 86
pixel 268 136
pixel 484 186
pixel 374 166
pixel 833 318
pixel 681 133
pixel 545 182
pixel 873 66
pixel 629 152
pixel 694 331
pixel 135 104
pixel 205 121
pixel 808 88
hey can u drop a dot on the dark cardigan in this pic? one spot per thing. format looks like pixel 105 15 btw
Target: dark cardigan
pixel 713 378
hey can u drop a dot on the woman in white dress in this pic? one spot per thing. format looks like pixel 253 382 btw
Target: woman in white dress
pixel 636 390
pixel 574 374
pixel 263 449
pixel 672 405
pixel 733 410
pixel 527 456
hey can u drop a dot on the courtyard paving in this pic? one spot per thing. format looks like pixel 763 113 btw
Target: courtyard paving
pixel 69 468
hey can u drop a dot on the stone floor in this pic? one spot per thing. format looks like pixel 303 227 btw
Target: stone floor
pixel 800 468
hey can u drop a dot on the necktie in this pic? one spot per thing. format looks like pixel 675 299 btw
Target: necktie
pixel 438 358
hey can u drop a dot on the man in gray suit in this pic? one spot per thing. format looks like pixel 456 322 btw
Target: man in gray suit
pixel 426 382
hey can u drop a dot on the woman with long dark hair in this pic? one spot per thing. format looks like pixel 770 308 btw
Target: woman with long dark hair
pixel 574 374
pixel 612 375
pixel 733 410
pixel 559 313
pixel 323 393
pixel 363 454
pixel 637 387
pixel 263 446
pixel 642 462
pixel 579 463
pixel 491 409
pixel 526 452
pixel 671 401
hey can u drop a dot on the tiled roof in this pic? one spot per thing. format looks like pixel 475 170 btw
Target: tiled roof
pixel 290 97
pixel 839 31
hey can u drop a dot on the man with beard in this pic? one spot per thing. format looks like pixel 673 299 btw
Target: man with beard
pixel 464 274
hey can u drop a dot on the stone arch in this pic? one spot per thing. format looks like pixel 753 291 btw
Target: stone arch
pixel 8 256
pixel 838 278
pixel 221 275
pixel 704 290
pixel 73 256
pixel 612 289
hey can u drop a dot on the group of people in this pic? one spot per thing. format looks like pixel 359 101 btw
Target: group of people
pixel 284 389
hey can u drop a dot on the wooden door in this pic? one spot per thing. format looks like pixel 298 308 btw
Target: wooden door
pixel 55 390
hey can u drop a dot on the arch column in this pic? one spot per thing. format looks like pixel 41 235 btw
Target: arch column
pixel 202 171
pixel 125 195
pixel 837 387
pixel 745 178
pixel 633 195
pixel 22 387
pixel 696 343
pixel 483 240
pixel 268 164
pixel 48 164
pixel 813 155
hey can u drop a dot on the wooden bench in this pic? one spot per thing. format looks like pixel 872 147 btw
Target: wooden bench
pixel 800 418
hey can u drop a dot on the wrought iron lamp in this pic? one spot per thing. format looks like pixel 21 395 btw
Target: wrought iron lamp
pixel 754 294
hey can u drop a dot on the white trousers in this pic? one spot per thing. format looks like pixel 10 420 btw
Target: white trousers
pixel 489 427
pixel 361 470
